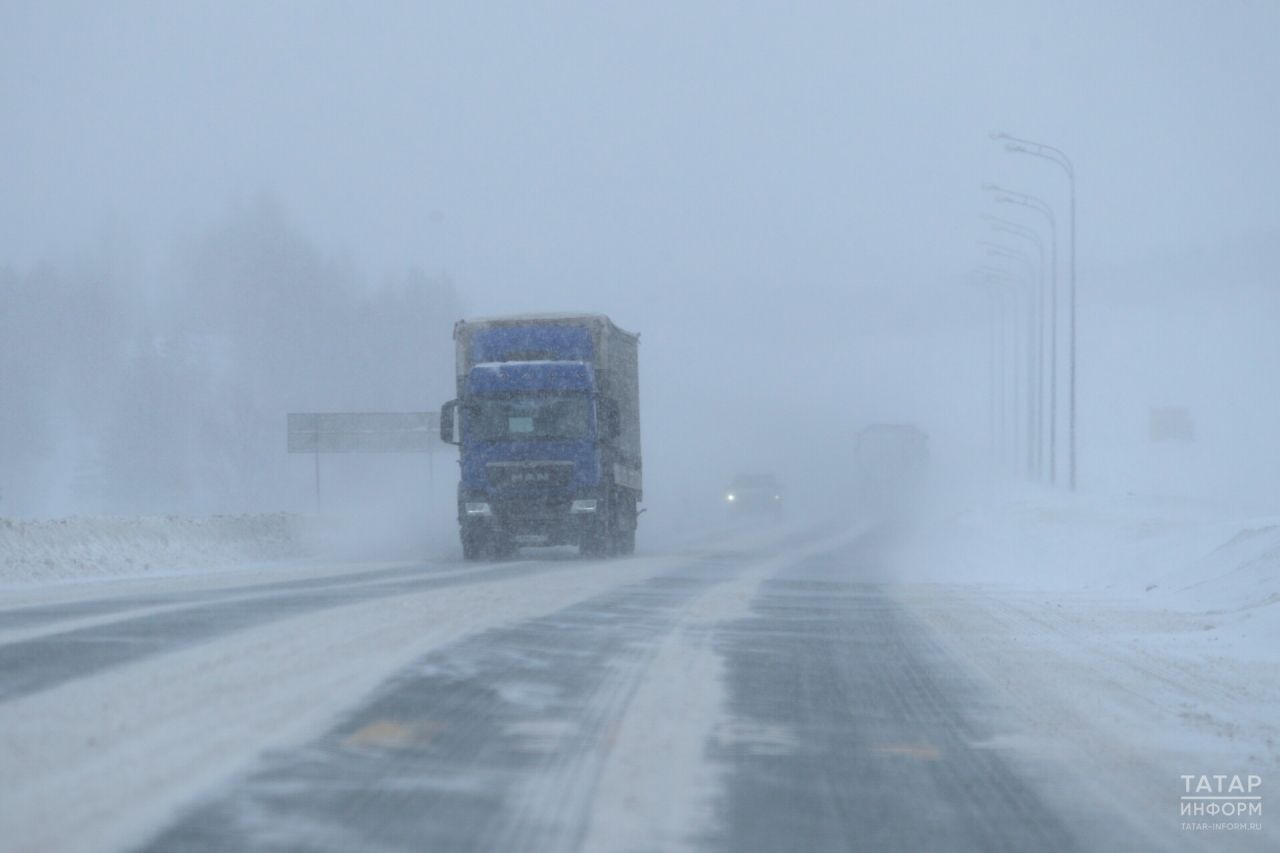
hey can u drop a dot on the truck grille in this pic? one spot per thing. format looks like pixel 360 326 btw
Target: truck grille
pixel 532 475
pixel 533 508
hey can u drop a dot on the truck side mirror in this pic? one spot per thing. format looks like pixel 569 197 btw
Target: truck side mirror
pixel 448 422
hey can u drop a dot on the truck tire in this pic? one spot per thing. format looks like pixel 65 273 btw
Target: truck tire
pixel 503 547
pixel 472 548
pixel 625 541
pixel 624 523
pixel 594 545
pixel 597 541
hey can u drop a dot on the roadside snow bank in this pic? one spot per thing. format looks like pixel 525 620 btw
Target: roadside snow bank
pixel 1130 640
pixel 1138 553
pixel 1128 545
pixel 33 552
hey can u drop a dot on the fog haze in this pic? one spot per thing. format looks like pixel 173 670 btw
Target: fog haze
pixel 212 214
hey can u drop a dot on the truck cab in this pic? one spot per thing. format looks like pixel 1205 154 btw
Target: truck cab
pixel 547 424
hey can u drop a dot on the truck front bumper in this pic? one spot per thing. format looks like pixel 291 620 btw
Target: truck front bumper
pixel 533 521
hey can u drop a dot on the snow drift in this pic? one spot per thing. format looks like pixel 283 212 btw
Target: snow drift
pixel 1141 554
pixel 87 548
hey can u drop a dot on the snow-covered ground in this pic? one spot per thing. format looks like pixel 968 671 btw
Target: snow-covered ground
pixel 122 739
pixel 93 548
pixel 1136 639
pixel 259 688
pixel 1123 641
pixel 1212 571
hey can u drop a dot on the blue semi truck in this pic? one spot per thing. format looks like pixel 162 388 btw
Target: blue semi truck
pixel 547 419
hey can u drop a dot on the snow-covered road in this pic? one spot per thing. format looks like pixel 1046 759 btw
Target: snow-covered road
pixel 778 691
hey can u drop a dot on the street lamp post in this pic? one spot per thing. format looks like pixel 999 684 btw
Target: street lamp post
pixel 996 352
pixel 1057 155
pixel 1004 196
pixel 1033 271
pixel 1002 287
pixel 1031 236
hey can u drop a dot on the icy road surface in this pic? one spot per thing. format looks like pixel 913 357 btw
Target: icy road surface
pixel 778 694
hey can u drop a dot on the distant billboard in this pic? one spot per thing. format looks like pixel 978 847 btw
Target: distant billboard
pixel 362 432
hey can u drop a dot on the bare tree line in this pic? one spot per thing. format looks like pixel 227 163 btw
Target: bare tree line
pixel 125 395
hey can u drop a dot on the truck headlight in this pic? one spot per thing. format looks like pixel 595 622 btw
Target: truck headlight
pixel 583 505
pixel 478 508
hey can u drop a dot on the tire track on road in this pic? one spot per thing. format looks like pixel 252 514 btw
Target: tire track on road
pixel 32 665
pixel 39 615
pixel 437 759
pixel 101 762
pixel 859 732
pixel 499 742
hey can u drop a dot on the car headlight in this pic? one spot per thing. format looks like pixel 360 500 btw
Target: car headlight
pixel 731 497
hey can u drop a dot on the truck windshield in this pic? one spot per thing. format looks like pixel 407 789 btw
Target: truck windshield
pixel 529 417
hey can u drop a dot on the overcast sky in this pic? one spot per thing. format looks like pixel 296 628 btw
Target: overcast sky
pixel 554 143
pixel 805 170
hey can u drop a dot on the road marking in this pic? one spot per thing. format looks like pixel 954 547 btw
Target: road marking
pixel 393 734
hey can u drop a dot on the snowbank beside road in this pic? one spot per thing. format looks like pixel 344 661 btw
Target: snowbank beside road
pixel 1130 639
pixel 1138 553
pixel 37 552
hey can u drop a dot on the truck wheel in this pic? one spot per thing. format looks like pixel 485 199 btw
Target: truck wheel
pixel 472 548
pixel 626 541
pixel 592 546
pixel 595 543
pixel 504 547
pixel 597 540
pixel 624 524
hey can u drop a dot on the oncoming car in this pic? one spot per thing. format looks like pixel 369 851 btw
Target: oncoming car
pixel 754 493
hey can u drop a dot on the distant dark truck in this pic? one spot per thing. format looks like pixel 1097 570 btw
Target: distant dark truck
pixel 547 419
